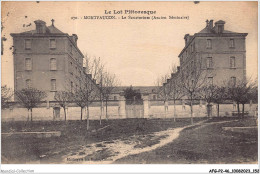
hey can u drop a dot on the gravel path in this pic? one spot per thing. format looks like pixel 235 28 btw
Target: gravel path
pixel 108 152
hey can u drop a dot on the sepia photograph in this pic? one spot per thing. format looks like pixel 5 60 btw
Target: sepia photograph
pixel 118 82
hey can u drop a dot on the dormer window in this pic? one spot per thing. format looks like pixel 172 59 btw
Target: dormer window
pixel 220 28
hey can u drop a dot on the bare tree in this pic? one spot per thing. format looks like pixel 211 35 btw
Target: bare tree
pixel 109 82
pixel 212 94
pixel 86 94
pixel 163 87
pixel 81 99
pixel 193 78
pixel 6 96
pixel 95 67
pixel 175 92
pixel 30 98
pixel 239 92
pixel 220 96
pixel 63 98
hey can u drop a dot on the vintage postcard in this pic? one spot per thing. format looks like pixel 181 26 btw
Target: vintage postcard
pixel 171 82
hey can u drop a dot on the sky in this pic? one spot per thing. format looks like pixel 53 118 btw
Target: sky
pixel 136 51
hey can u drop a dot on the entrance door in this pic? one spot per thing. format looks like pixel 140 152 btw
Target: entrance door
pixel 56 112
pixel 134 109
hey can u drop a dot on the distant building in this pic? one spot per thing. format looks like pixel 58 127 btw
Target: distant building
pixel 221 53
pixel 47 59
pixel 151 91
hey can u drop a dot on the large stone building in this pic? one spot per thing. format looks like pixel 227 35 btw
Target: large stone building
pixel 218 53
pixel 48 59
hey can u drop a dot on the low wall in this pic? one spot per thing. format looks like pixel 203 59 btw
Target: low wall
pixel 198 110
pixel 155 111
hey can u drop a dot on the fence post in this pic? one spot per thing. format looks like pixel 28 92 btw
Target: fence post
pixel 121 109
pixel 146 105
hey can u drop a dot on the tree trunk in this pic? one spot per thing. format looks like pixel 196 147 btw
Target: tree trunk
pixel 243 110
pixel 208 110
pixel 101 111
pixel 238 110
pixel 174 112
pixel 28 119
pixel 31 115
pixel 65 114
pixel 81 110
pixel 87 117
pixel 191 112
pixel 106 110
pixel 218 109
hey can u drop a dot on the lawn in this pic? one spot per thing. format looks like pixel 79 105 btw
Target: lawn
pixel 206 144
pixel 17 149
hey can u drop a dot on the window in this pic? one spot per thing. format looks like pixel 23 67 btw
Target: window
pixel 71 68
pixel 233 80
pixel 220 28
pixel 115 98
pixel 232 43
pixel 52 43
pixel 209 43
pixel 71 86
pixel 28 44
pixel 232 62
pixel 28 64
pixel 70 48
pixel 209 62
pixel 210 80
pixel 154 97
pixel 28 83
pixel 53 84
pixel 53 64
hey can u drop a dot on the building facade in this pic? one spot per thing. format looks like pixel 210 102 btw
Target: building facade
pixel 48 59
pixel 219 54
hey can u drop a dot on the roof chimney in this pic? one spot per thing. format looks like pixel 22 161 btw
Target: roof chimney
pixel 52 22
pixel 75 38
pixel 187 39
pixel 207 23
pixel 40 26
pixel 210 24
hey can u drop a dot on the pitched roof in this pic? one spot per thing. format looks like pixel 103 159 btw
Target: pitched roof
pixel 142 89
pixel 50 30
